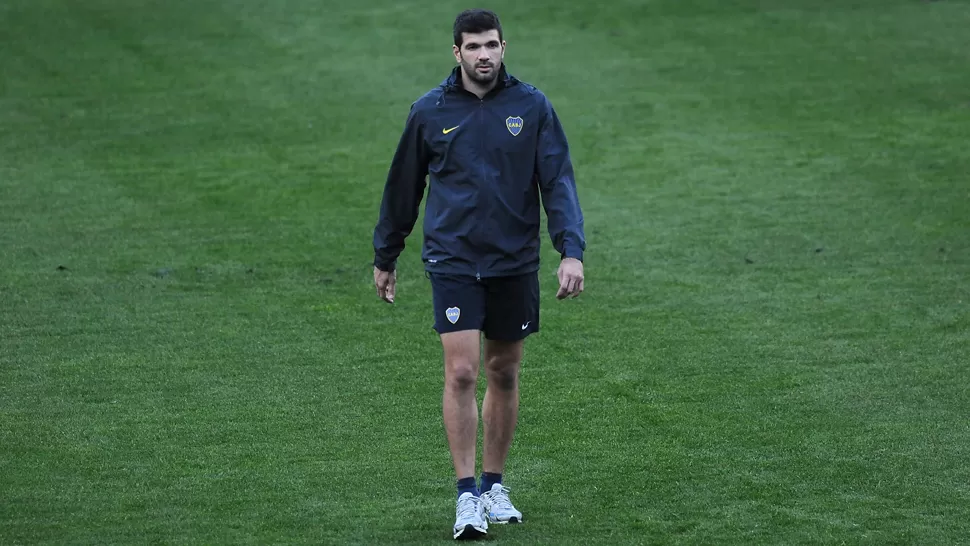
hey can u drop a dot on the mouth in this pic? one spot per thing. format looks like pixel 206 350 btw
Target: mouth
pixel 484 68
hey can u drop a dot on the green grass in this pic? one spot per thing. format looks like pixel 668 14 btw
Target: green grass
pixel 772 347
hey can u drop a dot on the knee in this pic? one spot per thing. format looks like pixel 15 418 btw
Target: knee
pixel 503 374
pixel 461 374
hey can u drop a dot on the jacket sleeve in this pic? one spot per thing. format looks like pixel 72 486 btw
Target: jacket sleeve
pixel 554 171
pixel 403 191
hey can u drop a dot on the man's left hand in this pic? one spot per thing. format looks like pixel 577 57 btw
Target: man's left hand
pixel 570 278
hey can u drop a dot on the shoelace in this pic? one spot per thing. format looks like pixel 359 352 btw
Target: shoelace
pixel 469 508
pixel 500 498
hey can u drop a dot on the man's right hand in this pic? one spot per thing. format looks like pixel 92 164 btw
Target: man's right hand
pixel 385 282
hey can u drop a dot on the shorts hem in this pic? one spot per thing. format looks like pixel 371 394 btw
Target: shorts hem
pixel 441 331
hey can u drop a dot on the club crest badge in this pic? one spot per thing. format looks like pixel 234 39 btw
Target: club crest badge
pixel 452 314
pixel 514 124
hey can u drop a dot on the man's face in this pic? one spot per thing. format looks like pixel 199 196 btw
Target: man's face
pixel 480 55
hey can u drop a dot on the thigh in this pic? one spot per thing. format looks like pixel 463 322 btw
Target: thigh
pixel 462 353
pixel 458 301
pixel 512 307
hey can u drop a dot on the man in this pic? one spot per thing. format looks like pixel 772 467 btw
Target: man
pixel 492 146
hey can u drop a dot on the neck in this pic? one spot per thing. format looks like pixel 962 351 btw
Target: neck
pixel 476 88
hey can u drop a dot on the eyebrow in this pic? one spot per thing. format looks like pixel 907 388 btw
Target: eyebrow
pixel 490 42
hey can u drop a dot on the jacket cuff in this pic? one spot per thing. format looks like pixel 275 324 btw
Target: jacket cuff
pixel 384 265
pixel 573 252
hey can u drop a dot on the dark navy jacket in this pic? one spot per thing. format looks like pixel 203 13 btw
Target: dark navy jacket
pixel 488 161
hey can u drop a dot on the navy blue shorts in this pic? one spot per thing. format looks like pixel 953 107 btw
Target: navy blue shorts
pixel 503 308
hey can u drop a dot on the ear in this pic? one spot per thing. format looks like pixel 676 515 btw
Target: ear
pixel 457 52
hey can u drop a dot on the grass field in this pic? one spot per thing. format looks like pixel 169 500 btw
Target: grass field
pixel 773 345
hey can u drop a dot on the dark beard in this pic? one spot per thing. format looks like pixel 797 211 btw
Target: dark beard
pixel 480 78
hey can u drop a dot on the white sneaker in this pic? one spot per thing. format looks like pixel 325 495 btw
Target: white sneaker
pixel 470 519
pixel 499 507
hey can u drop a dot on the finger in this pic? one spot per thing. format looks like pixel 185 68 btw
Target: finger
pixel 571 284
pixel 581 286
pixel 578 288
pixel 391 289
pixel 562 292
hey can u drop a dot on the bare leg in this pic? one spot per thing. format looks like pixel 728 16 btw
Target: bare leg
pixel 459 404
pixel 500 409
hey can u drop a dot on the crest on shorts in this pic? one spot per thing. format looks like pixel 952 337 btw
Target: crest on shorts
pixel 514 124
pixel 452 314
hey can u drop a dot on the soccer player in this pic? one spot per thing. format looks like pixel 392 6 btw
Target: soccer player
pixel 491 145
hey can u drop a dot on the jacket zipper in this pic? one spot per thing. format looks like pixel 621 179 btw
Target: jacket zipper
pixel 481 132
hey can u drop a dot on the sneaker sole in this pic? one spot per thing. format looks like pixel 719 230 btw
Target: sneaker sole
pixel 470 532
pixel 513 520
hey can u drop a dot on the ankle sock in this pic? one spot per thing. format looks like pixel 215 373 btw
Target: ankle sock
pixel 488 479
pixel 467 485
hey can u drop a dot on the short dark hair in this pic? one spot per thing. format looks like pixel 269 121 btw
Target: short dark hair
pixel 475 21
